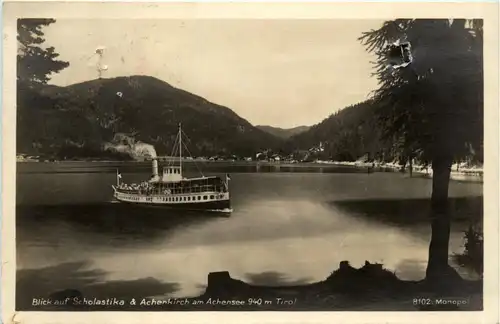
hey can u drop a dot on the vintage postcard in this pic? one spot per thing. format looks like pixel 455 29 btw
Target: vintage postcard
pixel 250 162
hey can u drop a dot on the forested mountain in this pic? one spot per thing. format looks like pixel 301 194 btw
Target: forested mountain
pixel 89 119
pixel 283 132
pixel 79 120
pixel 346 135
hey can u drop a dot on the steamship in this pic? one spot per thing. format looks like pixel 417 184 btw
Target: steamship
pixel 172 190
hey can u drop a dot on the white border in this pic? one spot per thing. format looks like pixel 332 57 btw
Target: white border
pixel 131 10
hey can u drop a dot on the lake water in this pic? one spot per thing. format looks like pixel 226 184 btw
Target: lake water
pixel 286 228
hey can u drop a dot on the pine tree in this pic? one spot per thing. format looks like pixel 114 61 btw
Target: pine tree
pixel 434 106
pixel 35 64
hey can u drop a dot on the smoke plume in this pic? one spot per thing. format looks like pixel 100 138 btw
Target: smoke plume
pixel 126 144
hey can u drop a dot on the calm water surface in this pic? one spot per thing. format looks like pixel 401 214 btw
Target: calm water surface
pixel 286 228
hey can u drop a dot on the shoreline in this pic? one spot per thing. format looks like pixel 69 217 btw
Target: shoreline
pixel 471 174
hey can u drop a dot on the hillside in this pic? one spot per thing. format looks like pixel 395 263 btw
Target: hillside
pixel 81 119
pixel 283 133
pixel 346 135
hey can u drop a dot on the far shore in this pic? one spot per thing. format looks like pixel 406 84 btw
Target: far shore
pixel 458 173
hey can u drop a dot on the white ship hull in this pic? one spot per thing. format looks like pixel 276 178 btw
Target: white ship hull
pixel 209 201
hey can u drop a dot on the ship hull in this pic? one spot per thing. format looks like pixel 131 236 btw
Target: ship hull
pixel 208 201
pixel 215 206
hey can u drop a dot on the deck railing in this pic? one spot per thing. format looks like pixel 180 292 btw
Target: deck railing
pixel 187 190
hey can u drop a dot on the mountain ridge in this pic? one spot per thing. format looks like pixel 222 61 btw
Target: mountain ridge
pixel 346 135
pixel 90 114
pixel 283 133
pixel 105 117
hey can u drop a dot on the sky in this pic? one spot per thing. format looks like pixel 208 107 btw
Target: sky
pixel 283 73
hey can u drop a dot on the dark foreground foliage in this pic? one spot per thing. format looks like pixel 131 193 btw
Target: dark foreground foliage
pixel 473 255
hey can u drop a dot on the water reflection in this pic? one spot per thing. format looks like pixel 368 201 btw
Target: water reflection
pixel 275 279
pixel 411 268
pixel 411 211
pixel 81 279
pixel 103 225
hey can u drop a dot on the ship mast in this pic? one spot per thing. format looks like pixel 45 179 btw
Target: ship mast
pixel 180 147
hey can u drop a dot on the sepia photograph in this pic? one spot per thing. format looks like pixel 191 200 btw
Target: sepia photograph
pixel 193 165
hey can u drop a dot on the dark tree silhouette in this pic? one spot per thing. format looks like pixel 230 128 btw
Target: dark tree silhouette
pixel 35 64
pixel 435 105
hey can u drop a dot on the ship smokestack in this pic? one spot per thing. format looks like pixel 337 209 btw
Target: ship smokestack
pixel 155 168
